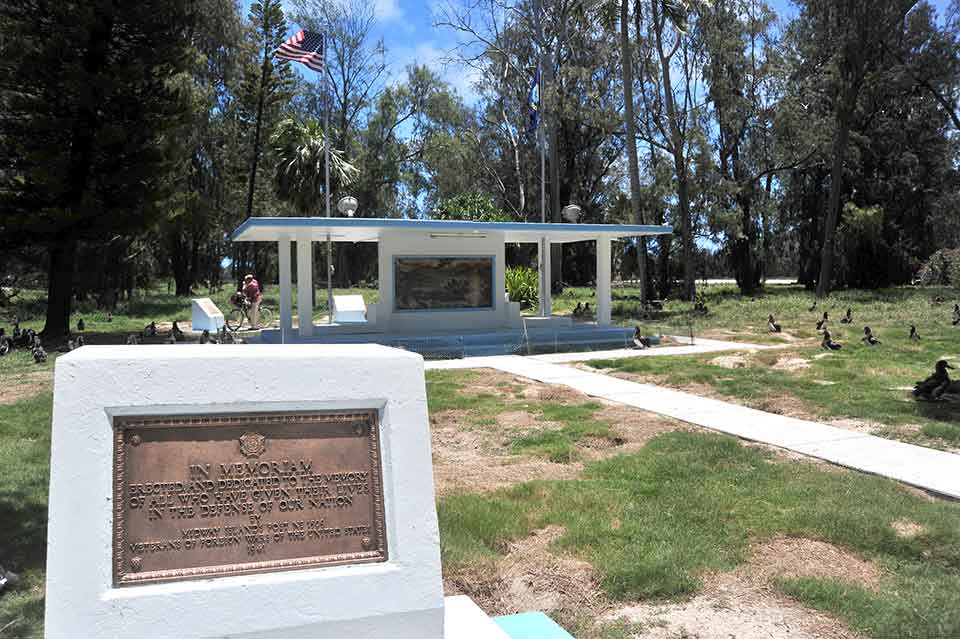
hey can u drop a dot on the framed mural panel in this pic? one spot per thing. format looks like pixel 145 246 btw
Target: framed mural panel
pixel 443 283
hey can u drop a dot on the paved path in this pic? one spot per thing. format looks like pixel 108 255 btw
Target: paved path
pixel 699 346
pixel 932 470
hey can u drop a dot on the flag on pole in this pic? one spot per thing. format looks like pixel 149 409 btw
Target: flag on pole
pixel 533 102
pixel 307 47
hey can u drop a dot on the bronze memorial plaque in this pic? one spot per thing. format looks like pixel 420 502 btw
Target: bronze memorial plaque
pixel 212 495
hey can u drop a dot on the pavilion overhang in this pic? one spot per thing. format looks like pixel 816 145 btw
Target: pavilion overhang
pixel 406 239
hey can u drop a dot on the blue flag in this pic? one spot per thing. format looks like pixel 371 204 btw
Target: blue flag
pixel 533 102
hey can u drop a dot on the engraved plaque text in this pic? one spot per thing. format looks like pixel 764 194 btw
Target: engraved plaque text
pixel 213 495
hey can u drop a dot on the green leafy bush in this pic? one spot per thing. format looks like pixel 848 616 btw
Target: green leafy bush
pixel 942 269
pixel 523 285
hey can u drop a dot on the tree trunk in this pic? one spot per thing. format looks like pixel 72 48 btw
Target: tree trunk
pixel 677 149
pixel 256 130
pixel 631 130
pixel 63 255
pixel 833 205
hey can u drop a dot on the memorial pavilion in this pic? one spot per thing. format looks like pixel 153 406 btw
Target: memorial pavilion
pixel 437 279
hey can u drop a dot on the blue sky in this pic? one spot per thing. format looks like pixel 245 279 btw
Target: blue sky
pixel 406 27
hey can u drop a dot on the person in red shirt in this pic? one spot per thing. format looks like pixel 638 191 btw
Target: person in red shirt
pixel 251 291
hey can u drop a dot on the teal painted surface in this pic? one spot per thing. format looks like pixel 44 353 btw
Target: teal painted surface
pixel 531 625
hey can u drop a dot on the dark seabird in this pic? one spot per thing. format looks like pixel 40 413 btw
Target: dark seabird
pixel 772 324
pixel 81 326
pixel 848 318
pixel 828 343
pixel 933 387
pixel 39 355
pixel 822 323
pixel 956 314
pixel 176 332
pixel 868 337
pixel 914 335
pixel 639 340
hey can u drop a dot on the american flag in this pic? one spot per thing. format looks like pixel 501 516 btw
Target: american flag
pixel 306 47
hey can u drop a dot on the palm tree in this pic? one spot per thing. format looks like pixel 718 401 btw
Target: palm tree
pixel 299 177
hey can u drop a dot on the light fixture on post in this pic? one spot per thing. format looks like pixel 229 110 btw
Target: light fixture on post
pixel 347 205
pixel 571 213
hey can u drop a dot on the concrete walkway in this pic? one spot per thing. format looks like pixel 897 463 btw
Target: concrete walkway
pixel 684 347
pixel 932 470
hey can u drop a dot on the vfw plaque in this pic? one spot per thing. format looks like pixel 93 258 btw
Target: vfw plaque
pixel 213 495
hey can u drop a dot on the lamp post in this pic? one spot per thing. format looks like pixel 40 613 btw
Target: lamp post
pixel 347 205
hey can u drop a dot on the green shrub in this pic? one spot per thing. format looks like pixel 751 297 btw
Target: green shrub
pixel 942 269
pixel 523 285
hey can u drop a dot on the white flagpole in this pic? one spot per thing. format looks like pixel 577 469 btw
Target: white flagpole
pixel 326 177
pixel 544 246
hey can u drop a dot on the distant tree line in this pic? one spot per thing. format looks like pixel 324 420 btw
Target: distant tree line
pixel 823 145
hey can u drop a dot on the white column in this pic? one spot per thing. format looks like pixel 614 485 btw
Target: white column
pixel 305 285
pixel 286 290
pixel 546 306
pixel 603 281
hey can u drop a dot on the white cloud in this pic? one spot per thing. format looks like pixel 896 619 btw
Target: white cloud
pixel 387 10
pixel 431 55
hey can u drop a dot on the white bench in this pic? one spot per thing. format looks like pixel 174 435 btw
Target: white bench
pixel 349 309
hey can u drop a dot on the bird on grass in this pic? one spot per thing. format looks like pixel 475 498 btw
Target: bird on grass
pixel 39 355
pixel 578 310
pixel 868 337
pixel 828 344
pixel 956 314
pixel 934 386
pixel 176 332
pixel 700 306
pixel 639 340
pixel 813 307
pixel 16 328
pixel 81 326
pixel 205 337
pixel 150 330
pixel 109 316
pixel 79 341
pixel 772 324
pixel 6 343
pixel 822 322
pixel 848 318
pixel 914 335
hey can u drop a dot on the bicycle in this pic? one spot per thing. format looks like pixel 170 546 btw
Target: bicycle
pixel 241 312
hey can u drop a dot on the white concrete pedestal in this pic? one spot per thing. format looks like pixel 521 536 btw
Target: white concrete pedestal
pixel 401 598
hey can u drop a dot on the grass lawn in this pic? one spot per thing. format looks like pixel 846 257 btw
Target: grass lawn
pixel 654 522
pixel 857 382
pixel 154 304
pixel 651 522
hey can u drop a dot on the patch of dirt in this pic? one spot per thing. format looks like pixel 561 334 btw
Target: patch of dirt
pixel 633 428
pixel 730 361
pixel 791 364
pixel 797 557
pixel 824 382
pixel 857 425
pixel 781 404
pixel 532 577
pixel 25 385
pixel 744 605
pixel 466 458
pixel 517 419
pixel 908 529
pixel 731 607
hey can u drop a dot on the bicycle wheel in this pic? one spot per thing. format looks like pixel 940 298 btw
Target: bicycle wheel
pixel 266 318
pixel 234 319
